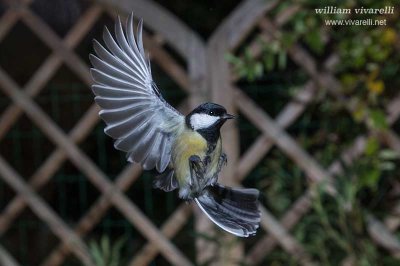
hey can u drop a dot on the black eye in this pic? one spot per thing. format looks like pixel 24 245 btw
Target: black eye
pixel 211 113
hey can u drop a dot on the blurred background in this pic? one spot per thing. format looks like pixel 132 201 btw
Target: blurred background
pixel 317 133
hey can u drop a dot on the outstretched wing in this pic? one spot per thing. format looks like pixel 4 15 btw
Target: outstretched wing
pixel 136 114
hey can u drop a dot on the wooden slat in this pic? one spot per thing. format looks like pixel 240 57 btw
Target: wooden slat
pixel 285 118
pixel 308 63
pixel 192 48
pixel 392 221
pixel 382 236
pixel 49 68
pixel 44 212
pixel 6 258
pixel 229 34
pixel 157 18
pixel 47 35
pixel 239 23
pixel 169 229
pixel 82 162
pixel 303 204
pixel 282 139
pixel 7 21
pixel 48 168
pixel 162 58
pixel 328 80
pixel 93 216
pixel 288 243
pixel 166 62
pixel 99 209
pixel 225 39
pixel 10 17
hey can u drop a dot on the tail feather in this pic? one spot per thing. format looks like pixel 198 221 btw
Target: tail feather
pixel 234 210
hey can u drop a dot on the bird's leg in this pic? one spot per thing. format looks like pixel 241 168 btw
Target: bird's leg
pixel 196 172
pixel 221 162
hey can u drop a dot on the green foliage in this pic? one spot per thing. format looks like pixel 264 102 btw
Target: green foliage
pixel 251 67
pixel 105 253
pixel 367 71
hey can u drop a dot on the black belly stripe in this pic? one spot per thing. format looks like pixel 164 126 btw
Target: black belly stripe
pixel 211 135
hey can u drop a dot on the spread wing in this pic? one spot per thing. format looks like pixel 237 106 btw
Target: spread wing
pixel 136 114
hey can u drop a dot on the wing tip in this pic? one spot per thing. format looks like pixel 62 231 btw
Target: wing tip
pixel 92 59
pixel 97 46
pixel 118 24
pixel 106 33
pixel 94 73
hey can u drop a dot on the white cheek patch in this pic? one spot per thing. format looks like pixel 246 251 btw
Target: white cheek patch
pixel 200 121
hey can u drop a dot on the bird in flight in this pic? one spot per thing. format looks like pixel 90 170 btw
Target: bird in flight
pixel 185 150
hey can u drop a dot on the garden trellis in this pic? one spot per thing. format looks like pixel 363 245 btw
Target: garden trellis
pixel 207 76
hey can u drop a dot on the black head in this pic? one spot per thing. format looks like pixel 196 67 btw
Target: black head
pixel 207 116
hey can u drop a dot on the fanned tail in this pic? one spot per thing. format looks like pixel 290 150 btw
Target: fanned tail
pixel 234 210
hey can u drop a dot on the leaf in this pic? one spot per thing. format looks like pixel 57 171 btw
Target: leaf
pixel 96 253
pixel 287 40
pixel 269 61
pixel 378 119
pixel 376 86
pixel 349 80
pixel 389 36
pixel 388 154
pixel 372 146
pixel 370 178
pixel 232 59
pixel 116 252
pixel 105 247
pixel 360 111
pixel 387 166
pixel 314 40
pixel 258 69
pixel 282 59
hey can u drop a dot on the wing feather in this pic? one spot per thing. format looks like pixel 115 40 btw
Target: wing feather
pixel 165 154
pixel 140 43
pixel 106 56
pixel 117 51
pixel 142 123
pixel 110 92
pixel 143 148
pixel 115 103
pixel 152 157
pixel 124 128
pixel 105 67
pixel 126 48
pixel 118 115
pixel 106 79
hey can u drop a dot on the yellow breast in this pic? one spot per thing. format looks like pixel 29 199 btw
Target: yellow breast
pixel 187 144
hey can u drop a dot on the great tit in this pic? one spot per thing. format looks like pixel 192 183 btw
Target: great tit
pixel 185 150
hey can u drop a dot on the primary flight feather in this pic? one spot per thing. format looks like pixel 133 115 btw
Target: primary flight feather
pixel 185 150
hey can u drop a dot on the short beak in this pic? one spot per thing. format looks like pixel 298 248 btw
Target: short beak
pixel 228 116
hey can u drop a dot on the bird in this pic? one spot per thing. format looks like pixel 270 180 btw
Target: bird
pixel 186 150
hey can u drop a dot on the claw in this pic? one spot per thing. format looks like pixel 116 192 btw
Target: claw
pixel 196 173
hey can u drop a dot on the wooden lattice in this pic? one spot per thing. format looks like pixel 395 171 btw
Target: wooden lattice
pixel 207 76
